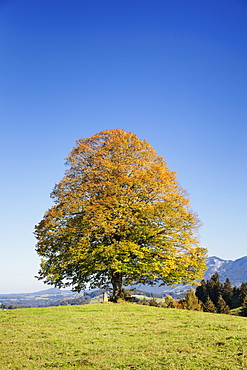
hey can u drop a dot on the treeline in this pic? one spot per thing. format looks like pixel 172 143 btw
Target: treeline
pixel 10 306
pixel 218 297
pixel 213 296
pixel 209 296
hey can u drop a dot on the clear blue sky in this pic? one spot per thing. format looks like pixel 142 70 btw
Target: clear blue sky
pixel 173 72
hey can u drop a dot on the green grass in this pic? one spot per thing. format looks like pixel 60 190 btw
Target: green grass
pixel 121 336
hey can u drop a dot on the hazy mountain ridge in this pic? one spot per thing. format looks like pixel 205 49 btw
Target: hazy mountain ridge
pixel 236 271
pixel 53 291
pixel 43 298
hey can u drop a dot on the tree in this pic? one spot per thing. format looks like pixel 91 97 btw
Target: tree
pixel 235 302
pixel 201 291
pixel 214 288
pixel 120 217
pixel 221 306
pixel 243 311
pixel 227 292
pixel 169 302
pixel 191 301
pixel 243 292
pixel 153 302
pixel 209 306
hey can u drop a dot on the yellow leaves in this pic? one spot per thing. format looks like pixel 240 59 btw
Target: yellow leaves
pixel 119 208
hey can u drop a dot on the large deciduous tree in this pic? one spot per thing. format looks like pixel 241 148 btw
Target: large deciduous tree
pixel 120 217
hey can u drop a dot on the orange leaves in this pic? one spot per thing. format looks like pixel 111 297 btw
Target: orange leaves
pixel 119 209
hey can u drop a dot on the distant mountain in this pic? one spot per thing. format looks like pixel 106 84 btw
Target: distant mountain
pixel 48 297
pixel 51 291
pixel 236 270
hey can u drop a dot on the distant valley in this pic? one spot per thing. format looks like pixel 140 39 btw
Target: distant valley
pixel 236 271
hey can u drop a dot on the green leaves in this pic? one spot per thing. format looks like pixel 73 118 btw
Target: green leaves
pixel 118 210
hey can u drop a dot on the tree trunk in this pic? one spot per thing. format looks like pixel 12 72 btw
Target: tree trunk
pixel 117 281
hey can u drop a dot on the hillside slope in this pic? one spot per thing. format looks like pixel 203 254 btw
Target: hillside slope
pixel 121 336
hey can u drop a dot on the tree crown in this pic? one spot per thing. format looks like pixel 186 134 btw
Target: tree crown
pixel 120 217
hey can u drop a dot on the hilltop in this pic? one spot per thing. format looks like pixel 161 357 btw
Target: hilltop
pixel 121 336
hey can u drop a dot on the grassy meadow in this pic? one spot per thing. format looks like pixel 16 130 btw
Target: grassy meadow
pixel 121 336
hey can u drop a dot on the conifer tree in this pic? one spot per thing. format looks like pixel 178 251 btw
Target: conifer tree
pixel 209 306
pixel 168 302
pixel 243 311
pixel 235 298
pixel 227 292
pixel 222 307
pixel 191 301
pixel 243 292
pixel 201 291
pixel 120 217
pixel 214 288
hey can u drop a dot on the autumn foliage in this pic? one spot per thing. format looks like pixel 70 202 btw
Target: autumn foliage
pixel 120 217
